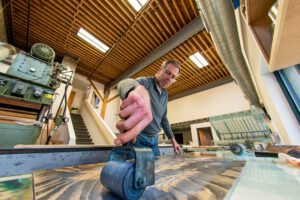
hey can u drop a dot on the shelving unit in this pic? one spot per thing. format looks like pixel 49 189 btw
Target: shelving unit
pixel 283 48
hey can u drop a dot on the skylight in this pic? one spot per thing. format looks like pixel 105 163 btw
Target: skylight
pixel 92 40
pixel 137 4
pixel 199 60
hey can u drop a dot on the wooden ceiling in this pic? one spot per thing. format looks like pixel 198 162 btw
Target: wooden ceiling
pixel 130 35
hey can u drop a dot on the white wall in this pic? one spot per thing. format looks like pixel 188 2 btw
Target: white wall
pixel 219 100
pixel 79 97
pixel 82 86
pixel 112 111
pixel 283 119
pixel 227 98
pixel 100 132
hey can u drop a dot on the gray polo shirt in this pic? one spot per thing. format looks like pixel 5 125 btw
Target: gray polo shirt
pixel 159 100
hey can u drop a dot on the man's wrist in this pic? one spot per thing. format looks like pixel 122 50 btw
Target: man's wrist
pixel 129 91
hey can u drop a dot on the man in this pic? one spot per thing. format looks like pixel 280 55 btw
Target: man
pixel 144 108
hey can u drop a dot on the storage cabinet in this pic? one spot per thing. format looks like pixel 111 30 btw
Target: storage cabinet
pixel 283 48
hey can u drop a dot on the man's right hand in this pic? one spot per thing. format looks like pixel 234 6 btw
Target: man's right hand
pixel 136 114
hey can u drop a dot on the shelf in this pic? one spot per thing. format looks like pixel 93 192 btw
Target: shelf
pixel 283 49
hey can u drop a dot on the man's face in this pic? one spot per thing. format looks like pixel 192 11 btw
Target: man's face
pixel 167 76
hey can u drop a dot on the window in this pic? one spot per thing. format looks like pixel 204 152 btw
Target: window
pixel 289 81
pixel 92 40
pixel 95 101
pixel 198 60
pixel 137 4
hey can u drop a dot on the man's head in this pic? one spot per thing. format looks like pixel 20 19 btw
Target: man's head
pixel 168 72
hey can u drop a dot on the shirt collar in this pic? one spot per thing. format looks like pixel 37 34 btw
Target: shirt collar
pixel 157 86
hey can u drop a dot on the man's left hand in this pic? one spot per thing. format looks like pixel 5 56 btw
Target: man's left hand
pixel 176 146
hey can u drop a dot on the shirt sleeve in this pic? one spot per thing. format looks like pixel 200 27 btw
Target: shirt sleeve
pixel 166 126
pixel 126 86
pixel 143 81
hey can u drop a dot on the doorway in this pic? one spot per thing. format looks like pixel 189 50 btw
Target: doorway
pixel 71 99
pixel 179 138
pixel 204 136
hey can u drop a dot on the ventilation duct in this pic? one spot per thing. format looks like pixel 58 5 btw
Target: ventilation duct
pixel 219 20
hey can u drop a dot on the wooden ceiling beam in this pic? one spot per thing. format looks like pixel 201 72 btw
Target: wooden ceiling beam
pixel 130 35
pixel 105 17
pixel 100 33
pixel 111 15
pixel 172 11
pixel 134 39
pixel 125 10
pixel 150 32
pixel 41 15
pixel 116 9
pixel 119 52
pixel 153 27
pixel 130 48
pixel 158 14
pixel 81 44
pixel 202 88
pixel 194 7
pixel 142 38
pixel 167 18
pixel 106 27
pixel 183 3
pixel 130 8
pixel 175 3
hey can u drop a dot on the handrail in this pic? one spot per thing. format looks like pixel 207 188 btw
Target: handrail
pixel 96 117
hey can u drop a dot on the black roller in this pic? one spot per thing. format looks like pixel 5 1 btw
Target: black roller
pixel 118 177
pixel 238 149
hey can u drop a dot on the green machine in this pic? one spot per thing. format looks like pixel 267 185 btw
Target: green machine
pixel 27 91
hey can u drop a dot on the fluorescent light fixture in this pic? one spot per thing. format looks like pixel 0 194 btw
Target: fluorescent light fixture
pixel 199 60
pixel 92 40
pixel 137 4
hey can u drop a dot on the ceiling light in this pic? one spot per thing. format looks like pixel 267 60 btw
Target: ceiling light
pixel 92 40
pixel 199 60
pixel 137 4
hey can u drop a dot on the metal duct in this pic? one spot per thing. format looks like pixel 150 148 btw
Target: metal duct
pixel 219 20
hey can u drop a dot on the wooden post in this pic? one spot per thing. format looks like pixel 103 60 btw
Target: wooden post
pixel 105 101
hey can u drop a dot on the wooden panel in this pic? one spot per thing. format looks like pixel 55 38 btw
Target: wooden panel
pixel 283 48
pixel 176 177
pixel 205 136
pixel 286 43
pixel 257 9
pixel 20 103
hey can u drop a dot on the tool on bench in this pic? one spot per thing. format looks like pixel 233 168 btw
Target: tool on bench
pixel 238 149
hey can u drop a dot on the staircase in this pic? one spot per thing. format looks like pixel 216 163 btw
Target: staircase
pixel 81 132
